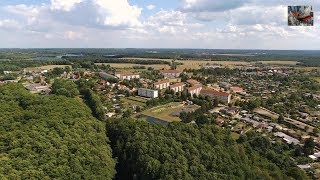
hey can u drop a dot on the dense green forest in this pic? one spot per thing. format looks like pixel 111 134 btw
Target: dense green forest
pixel 50 137
pixel 56 137
pixel 183 151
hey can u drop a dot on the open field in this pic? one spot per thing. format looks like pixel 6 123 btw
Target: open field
pixel 279 62
pixel 197 64
pixel 317 79
pixel 164 112
pixel 130 66
pixel 307 68
pixel 49 67
pixel 129 101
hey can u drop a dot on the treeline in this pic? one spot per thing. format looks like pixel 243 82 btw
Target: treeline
pixel 182 151
pixel 103 59
pixel 50 137
pixel 17 65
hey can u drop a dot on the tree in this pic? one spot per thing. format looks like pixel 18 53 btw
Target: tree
pixel 308 147
pixel 61 87
pixel 51 137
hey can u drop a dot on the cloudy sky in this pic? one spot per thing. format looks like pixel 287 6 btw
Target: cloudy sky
pixel 217 24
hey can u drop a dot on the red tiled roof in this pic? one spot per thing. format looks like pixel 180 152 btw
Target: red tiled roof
pixel 170 71
pixel 235 88
pixel 192 81
pixel 177 85
pixel 194 88
pixel 161 82
pixel 213 92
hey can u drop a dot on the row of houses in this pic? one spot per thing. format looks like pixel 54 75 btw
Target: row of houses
pixel 195 89
pixel 130 75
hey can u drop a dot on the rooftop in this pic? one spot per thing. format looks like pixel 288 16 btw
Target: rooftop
pixel 177 85
pixel 161 82
pixel 192 81
pixel 213 92
pixel 194 88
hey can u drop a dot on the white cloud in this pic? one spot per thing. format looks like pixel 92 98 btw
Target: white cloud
pixel 151 7
pixel 91 13
pixel 65 5
pixel 9 24
pixel 72 35
pixel 211 5
pixel 168 22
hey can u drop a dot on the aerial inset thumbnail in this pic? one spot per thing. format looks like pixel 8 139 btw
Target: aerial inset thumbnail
pixel 300 16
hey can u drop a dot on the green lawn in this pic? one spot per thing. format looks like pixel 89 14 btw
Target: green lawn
pixel 129 101
pixel 164 112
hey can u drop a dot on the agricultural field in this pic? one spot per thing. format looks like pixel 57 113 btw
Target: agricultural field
pixel 165 112
pixel 198 64
pixel 126 66
pixel 49 67
pixel 279 62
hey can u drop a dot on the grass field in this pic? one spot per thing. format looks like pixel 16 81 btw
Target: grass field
pixel 129 101
pixel 130 66
pixel 49 67
pixel 279 62
pixel 197 64
pixel 317 79
pixel 164 112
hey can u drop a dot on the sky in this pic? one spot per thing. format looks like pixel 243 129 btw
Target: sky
pixel 209 24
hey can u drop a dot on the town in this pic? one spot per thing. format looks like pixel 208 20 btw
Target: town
pixel 279 101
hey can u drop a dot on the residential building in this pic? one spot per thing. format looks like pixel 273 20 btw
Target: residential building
pixel 161 84
pixel 149 93
pixel 127 75
pixel 236 89
pixel 221 96
pixel 178 87
pixel 38 88
pixel 171 73
pixel 193 82
pixel 194 90
pixel 107 76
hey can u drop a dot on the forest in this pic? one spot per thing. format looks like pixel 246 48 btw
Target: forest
pixel 50 137
pixel 58 137
pixel 184 151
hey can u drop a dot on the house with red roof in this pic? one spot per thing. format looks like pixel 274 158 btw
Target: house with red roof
pixel 194 90
pixel 178 87
pixel 221 96
pixel 171 73
pixel 163 84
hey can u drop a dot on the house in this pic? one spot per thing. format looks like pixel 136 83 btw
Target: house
pixel 37 88
pixel 127 75
pixel 107 76
pixel 193 82
pixel 178 87
pixel 219 120
pixel 236 89
pixel 315 156
pixel 161 84
pixel 194 90
pixel 171 73
pixel 221 96
pixel 149 93
pixel 229 111
pixel 288 139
